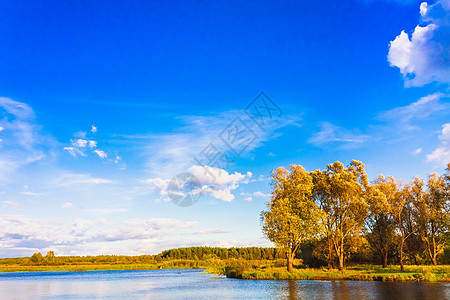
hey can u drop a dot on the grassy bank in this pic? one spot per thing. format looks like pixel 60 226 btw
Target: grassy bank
pixel 356 273
pixel 173 264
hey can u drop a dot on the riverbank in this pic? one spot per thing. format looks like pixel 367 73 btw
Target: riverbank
pixel 262 270
pixel 80 268
pixel 354 273
pixel 118 266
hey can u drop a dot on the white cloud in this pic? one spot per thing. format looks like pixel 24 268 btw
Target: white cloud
pixel 27 235
pixel 330 133
pixel 425 57
pixel 92 144
pixel 417 151
pixel 249 196
pixel 67 205
pixel 260 194
pixel 157 184
pixel 174 153
pixel 79 143
pixel 419 110
pixel 30 194
pixel 441 155
pixel 423 8
pixel 74 151
pixel 79 146
pixel 72 179
pixel 215 182
pixel 22 142
pixel 100 153
pixel 11 204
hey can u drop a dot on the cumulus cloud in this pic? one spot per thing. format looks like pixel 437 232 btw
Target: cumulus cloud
pixel 157 184
pixel 100 153
pixel 330 133
pixel 215 182
pixel 441 155
pixel 80 145
pixel 424 56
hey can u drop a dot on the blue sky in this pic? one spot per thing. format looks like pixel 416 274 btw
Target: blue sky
pixel 104 102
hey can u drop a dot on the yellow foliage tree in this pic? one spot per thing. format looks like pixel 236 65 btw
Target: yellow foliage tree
pixel 292 216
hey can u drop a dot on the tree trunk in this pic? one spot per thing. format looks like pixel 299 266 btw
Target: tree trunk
pixel 330 254
pixel 341 255
pixel 290 262
pixel 401 255
pixel 385 257
pixel 341 261
pixel 433 258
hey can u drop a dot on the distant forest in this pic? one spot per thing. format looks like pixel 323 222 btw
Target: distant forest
pixel 189 253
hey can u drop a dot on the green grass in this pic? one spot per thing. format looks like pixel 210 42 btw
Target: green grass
pixel 173 264
pixel 355 273
pixel 17 268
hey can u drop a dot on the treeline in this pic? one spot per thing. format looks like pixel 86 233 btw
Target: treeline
pixel 188 253
pixel 204 253
pixel 335 215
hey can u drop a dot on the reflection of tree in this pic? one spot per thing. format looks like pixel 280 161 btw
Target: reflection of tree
pixel 292 288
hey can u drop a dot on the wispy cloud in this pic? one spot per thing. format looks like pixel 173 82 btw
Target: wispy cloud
pixel 21 142
pixel 68 179
pixel 11 204
pixel 330 133
pixel 421 109
pixel 171 153
pixel 441 155
pixel 249 196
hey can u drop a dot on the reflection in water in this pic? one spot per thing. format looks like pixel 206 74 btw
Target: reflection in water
pixel 292 290
pixel 181 284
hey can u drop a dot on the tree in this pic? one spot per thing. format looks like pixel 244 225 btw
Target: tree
pixel 381 226
pixel 321 194
pixel 400 207
pixel 341 194
pixel 37 258
pixel 292 216
pixel 431 217
pixel 50 257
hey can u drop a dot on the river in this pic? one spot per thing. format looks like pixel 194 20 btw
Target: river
pixel 193 284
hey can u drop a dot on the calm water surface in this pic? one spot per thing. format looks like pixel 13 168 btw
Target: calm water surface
pixel 188 284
